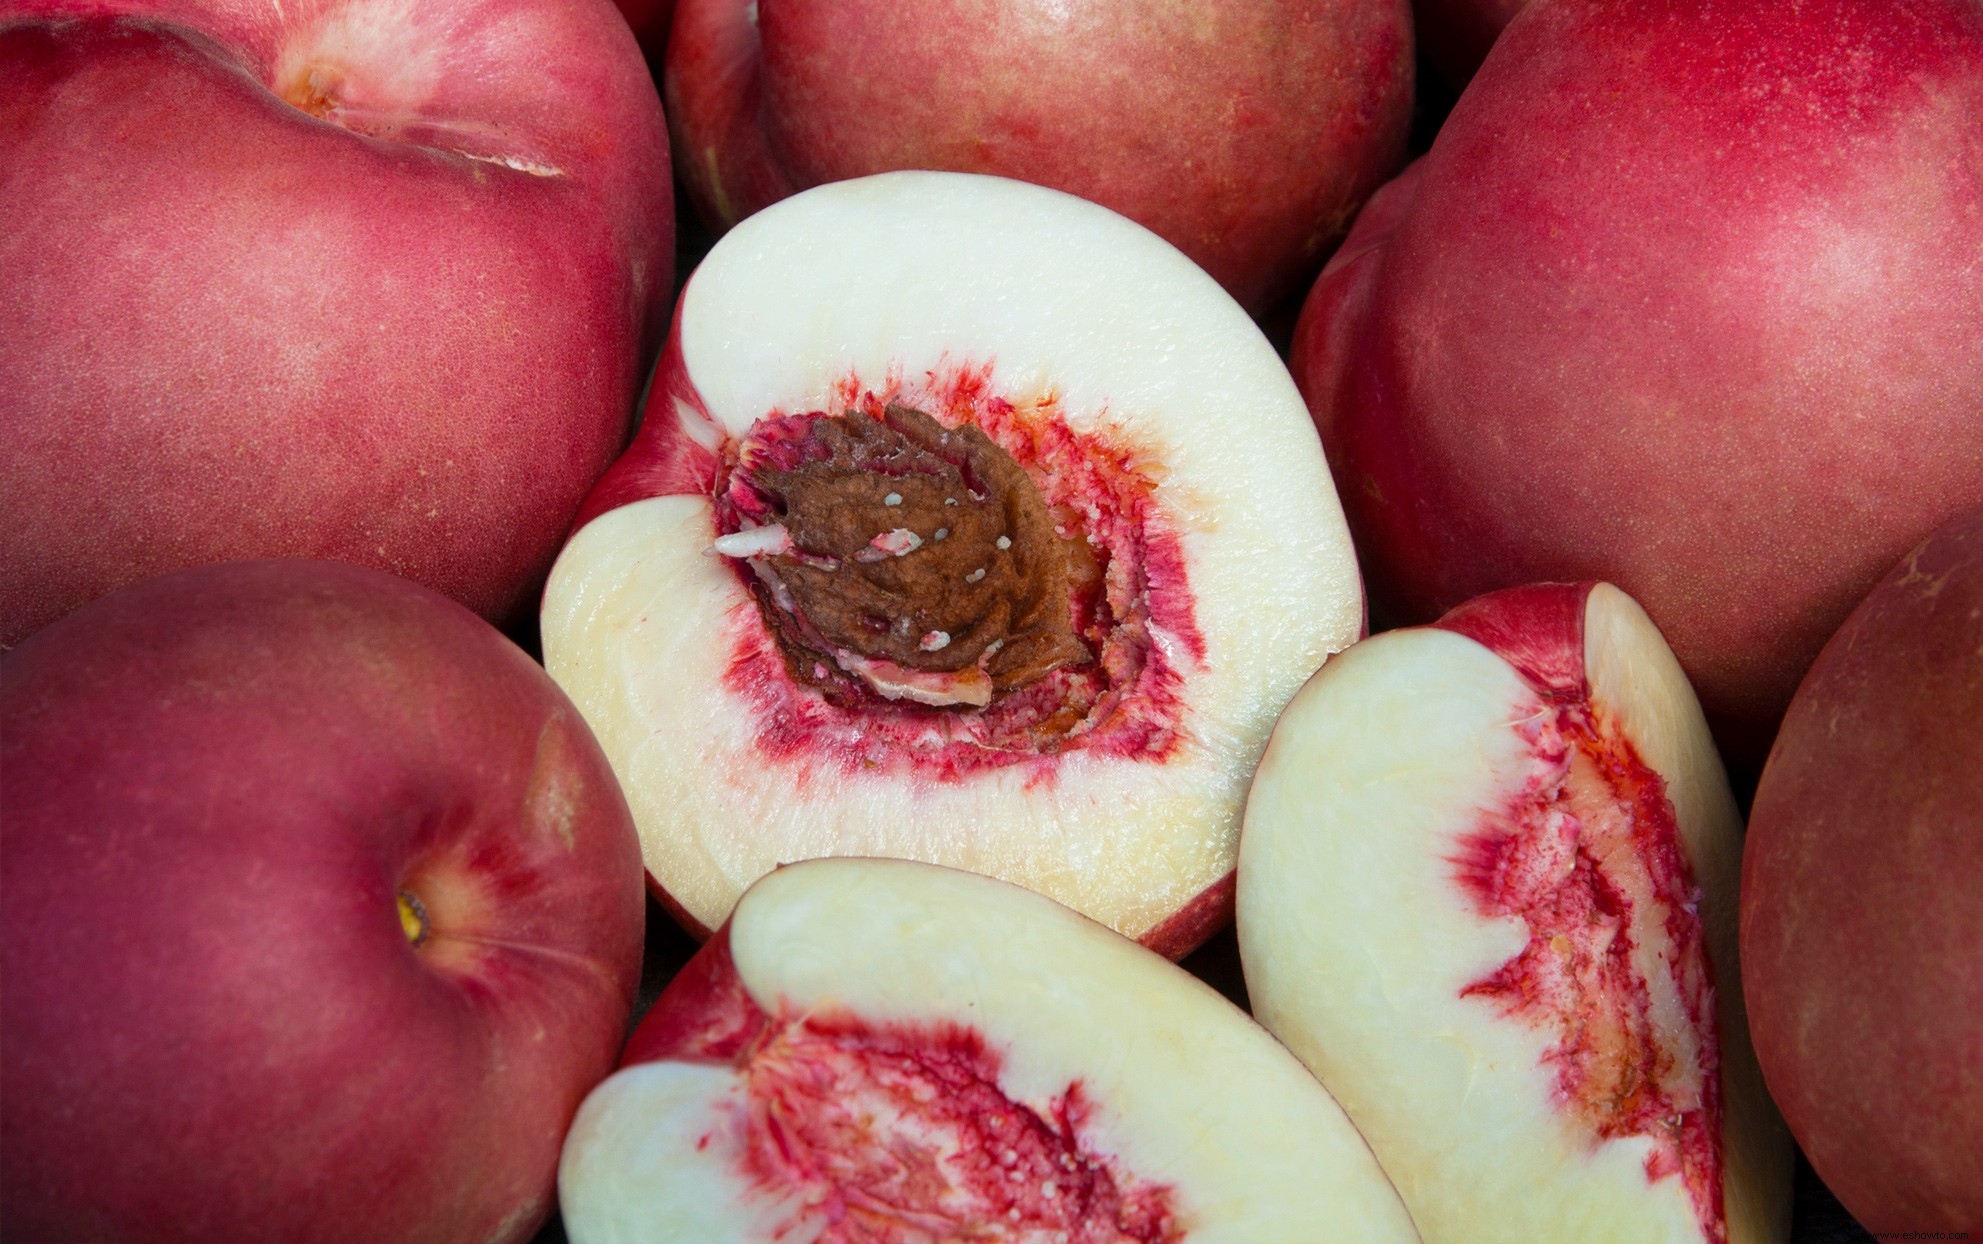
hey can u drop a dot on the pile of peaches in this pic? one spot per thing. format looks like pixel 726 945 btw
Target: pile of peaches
pixel 1485 502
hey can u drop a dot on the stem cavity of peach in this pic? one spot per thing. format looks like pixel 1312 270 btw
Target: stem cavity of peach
pixel 313 89
pixel 900 1133
pixel 413 918
pixel 1589 858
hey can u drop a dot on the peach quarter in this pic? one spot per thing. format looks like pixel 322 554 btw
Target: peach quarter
pixel 1487 892
pixel 1026 1074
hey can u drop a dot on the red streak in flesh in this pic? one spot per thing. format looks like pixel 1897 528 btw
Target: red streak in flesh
pixel 900 1133
pixel 1591 829
pixel 896 1133
pixel 1138 620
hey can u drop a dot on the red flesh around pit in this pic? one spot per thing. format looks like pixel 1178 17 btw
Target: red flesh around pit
pixel 678 452
pixel 1140 621
pixel 1126 701
pixel 1544 859
pixel 822 1089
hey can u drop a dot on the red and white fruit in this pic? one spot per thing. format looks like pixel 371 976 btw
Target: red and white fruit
pixel 885 1051
pixel 1246 132
pixel 323 912
pixel 1683 298
pixel 1862 929
pixel 1487 892
pixel 1034 616
pixel 349 279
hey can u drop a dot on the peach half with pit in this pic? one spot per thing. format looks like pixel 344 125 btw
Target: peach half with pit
pixel 1487 892
pixel 883 1050
pixel 969 522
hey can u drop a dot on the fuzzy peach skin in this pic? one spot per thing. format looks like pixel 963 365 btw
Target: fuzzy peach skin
pixel 1684 297
pixel 323 913
pixel 367 280
pixel 1861 925
pixel 1244 132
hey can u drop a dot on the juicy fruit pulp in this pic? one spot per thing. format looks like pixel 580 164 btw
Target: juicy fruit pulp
pixel 961 593
pixel 900 1133
pixel 1486 892
pixel 1587 857
pixel 889 1051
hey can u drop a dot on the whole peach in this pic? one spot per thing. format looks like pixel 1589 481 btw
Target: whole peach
pixel 345 279
pixel 1684 297
pixel 323 913
pixel 1862 934
pixel 1245 132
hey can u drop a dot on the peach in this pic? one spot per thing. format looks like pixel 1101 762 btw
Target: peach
pixel 876 1050
pixel 1487 892
pixel 323 913
pixel 1682 297
pixel 1861 926
pixel 969 522
pixel 347 279
pixel 1245 133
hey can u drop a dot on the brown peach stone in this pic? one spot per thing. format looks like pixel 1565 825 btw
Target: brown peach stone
pixel 920 558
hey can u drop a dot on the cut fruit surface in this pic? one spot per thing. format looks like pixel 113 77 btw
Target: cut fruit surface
pixel 1487 892
pixel 881 1050
pixel 968 523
